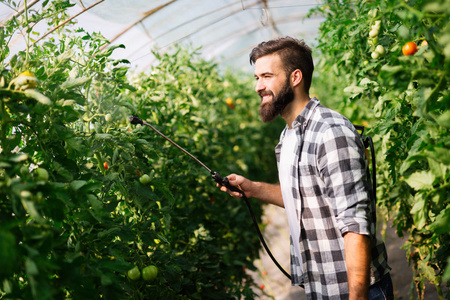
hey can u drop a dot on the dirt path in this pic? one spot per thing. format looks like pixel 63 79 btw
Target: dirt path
pixel 277 286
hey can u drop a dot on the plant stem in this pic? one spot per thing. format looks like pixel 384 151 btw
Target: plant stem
pixel 28 32
pixel 439 291
pixel 5 118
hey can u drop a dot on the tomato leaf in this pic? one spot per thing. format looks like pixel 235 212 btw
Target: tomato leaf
pixel 419 211
pixel 420 180
pixel 441 224
pixel 70 83
pixel 77 184
pixel 32 93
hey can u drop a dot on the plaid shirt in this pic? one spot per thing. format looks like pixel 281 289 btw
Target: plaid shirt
pixel 330 180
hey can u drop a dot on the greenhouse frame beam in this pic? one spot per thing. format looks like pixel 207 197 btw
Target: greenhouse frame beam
pixel 197 30
pixel 270 19
pixel 146 15
pixel 240 33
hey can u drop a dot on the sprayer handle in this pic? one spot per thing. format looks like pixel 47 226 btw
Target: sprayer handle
pixel 135 120
pixel 223 181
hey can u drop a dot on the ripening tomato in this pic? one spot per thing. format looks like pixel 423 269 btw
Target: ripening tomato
pixel 409 48
pixel 229 102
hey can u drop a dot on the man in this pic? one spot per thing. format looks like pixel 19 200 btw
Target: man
pixel 324 186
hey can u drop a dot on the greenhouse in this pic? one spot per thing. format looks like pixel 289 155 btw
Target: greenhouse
pixel 123 124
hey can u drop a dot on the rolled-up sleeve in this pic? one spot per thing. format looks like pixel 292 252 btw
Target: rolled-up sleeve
pixel 343 168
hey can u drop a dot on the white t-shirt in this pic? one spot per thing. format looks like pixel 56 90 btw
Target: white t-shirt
pixel 288 149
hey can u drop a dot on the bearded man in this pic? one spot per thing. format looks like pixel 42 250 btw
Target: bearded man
pixel 323 182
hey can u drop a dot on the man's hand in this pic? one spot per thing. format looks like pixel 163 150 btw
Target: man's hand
pixel 266 192
pixel 240 182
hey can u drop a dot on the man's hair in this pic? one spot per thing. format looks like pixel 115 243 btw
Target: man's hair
pixel 294 54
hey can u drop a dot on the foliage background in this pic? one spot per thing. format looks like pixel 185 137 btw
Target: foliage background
pixel 404 102
pixel 76 233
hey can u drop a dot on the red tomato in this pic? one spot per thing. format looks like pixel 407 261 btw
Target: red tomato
pixel 106 165
pixel 409 48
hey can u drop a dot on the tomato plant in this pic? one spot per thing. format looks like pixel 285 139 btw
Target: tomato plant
pixel 75 229
pixel 403 101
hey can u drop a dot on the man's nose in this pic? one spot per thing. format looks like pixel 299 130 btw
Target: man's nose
pixel 259 86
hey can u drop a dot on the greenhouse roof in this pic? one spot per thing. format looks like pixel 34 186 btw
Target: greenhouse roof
pixel 226 30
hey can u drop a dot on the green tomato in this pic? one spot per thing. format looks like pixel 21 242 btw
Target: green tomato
pixel 377 25
pixel 150 272
pixel 41 174
pixel 108 117
pixel 373 12
pixel 375 55
pixel 380 50
pixel 24 170
pixel 375 40
pixel 144 179
pixel 374 32
pixel 134 273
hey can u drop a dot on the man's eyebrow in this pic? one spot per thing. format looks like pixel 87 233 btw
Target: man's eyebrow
pixel 263 74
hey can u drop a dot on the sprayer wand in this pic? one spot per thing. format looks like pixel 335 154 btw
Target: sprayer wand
pixel 223 181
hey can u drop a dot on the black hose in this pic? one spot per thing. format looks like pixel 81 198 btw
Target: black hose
pixel 374 167
pixel 224 181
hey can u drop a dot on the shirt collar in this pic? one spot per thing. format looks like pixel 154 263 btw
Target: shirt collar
pixel 303 117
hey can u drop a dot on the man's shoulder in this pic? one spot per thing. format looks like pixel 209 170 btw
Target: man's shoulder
pixel 327 118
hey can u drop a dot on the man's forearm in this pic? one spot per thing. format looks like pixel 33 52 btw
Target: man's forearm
pixel 267 192
pixel 357 259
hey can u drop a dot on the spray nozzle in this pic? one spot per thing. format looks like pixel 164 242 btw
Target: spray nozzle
pixel 135 120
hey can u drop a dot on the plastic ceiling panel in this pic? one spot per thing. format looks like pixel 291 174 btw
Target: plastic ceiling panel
pixel 226 30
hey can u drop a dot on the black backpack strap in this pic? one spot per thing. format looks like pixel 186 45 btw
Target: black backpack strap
pixel 368 143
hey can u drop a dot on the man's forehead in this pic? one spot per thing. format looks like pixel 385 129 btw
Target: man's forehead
pixel 269 63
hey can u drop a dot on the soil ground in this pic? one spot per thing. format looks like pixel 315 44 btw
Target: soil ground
pixel 277 286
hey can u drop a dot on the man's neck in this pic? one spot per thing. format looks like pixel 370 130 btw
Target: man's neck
pixel 293 109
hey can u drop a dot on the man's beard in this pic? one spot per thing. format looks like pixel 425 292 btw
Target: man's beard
pixel 269 111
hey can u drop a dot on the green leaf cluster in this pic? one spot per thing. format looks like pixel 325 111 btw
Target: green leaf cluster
pixel 74 216
pixel 404 102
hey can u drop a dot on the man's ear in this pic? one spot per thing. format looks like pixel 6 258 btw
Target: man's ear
pixel 296 77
